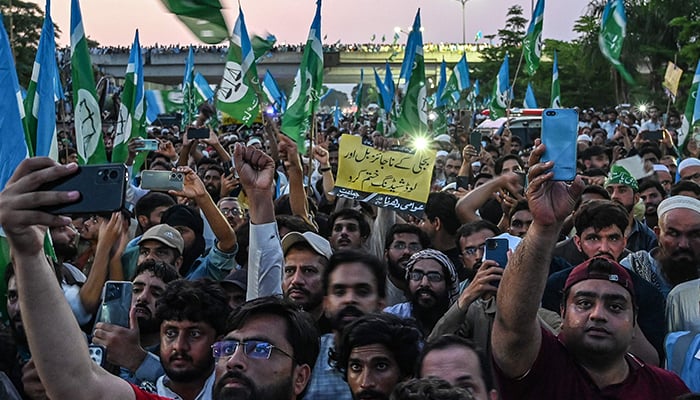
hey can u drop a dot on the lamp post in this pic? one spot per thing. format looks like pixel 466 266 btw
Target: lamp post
pixel 464 21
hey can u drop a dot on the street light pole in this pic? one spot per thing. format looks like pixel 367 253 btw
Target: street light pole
pixel 464 21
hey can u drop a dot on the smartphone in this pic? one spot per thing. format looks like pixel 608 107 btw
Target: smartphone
pixel 475 140
pixel 654 136
pixel 148 145
pixel 162 181
pixel 559 131
pixel 463 182
pixel 496 249
pixel 102 190
pixel 97 354
pixel 116 303
pixel 198 133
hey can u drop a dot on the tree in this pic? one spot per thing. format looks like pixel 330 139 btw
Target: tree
pixel 333 96
pixel 23 22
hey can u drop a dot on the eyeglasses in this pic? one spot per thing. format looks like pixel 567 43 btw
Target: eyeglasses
pixel 232 211
pixel 410 246
pixel 417 275
pixel 256 349
pixel 470 251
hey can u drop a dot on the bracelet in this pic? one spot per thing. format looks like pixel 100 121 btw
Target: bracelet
pixel 326 169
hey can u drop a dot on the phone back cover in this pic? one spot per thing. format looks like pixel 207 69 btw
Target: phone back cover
pixel 559 136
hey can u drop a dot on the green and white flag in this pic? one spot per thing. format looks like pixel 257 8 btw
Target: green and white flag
pixel 556 91
pixel 613 28
pixel 308 82
pixel 501 92
pixel 687 118
pixel 458 84
pixel 202 17
pixel 132 116
pixel 88 120
pixel 189 92
pixel 237 95
pixel 532 44
pixel 413 119
pixel 358 95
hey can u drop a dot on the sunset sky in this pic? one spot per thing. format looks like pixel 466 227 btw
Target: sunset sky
pixel 112 22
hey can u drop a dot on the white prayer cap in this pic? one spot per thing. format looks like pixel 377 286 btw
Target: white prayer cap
pixel 688 162
pixel 661 168
pixel 678 201
pixel 441 153
pixel 583 138
pixel 444 138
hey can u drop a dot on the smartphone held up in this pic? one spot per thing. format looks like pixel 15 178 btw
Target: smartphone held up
pixel 559 132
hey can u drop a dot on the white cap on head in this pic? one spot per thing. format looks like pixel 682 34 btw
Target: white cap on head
pixel 678 201
pixel 688 162
pixel 583 138
pixel 661 168
pixel 441 153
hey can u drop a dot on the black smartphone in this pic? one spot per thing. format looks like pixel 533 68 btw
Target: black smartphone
pixel 475 140
pixel 462 182
pixel 559 132
pixel 496 249
pixel 102 189
pixel 162 181
pixel 198 133
pixel 654 136
pixel 116 303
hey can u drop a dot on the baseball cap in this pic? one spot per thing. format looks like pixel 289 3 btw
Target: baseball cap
pixel 607 270
pixel 165 234
pixel 238 277
pixel 318 243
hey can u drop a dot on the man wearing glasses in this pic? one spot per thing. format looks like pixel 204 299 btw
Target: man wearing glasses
pixel 433 287
pixel 402 241
pixel 233 212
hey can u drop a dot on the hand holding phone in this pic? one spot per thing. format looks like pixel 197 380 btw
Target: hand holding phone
pixel 162 181
pixel 147 144
pixel 116 303
pixel 197 133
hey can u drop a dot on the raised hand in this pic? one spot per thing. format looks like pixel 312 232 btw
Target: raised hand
pixel 193 186
pixel 122 345
pixel 256 170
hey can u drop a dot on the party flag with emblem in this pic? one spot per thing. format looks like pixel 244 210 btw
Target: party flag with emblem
pixel 501 92
pixel 532 44
pixel 458 83
pixel 202 17
pixel 189 101
pixel 613 28
pixel 556 91
pixel 687 118
pixel 413 119
pixel 441 85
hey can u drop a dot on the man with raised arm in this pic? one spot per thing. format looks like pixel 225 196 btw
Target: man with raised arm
pixel 589 357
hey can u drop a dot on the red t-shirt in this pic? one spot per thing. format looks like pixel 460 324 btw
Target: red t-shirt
pixel 556 375
pixel 144 395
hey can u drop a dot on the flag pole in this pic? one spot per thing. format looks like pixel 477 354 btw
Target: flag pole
pixel 309 151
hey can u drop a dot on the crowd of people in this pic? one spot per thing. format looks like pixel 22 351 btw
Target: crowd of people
pixel 255 281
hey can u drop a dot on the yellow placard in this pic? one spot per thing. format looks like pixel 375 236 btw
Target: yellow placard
pixel 672 78
pixel 365 173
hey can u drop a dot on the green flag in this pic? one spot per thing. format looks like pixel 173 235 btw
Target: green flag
pixel 307 86
pixel 687 118
pixel 613 28
pixel 501 92
pixel 202 17
pixel 189 93
pixel 261 45
pixel 88 120
pixel 556 91
pixel 132 117
pixel 532 44
pixel 237 92
pixel 413 118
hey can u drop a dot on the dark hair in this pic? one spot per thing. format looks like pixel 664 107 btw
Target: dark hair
pixel 519 206
pixel 473 227
pixel 429 389
pixel 293 223
pixel 442 205
pixel 652 184
pixel 201 300
pixel 498 165
pixel 301 333
pixel 350 213
pixel 400 336
pixel 406 228
pixel 650 148
pixel 685 186
pixel 374 264
pixel 162 270
pixel 600 214
pixel 150 201
pixel 454 155
pixel 450 340
pixel 601 266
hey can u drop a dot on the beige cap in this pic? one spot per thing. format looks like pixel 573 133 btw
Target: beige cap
pixel 165 234
pixel 317 242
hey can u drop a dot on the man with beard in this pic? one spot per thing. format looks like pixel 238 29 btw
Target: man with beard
pixel 305 258
pixel 453 162
pixel 624 189
pixel 134 349
pixel 651 193
pixel 278 348
pixel 677 258
pixel 433 288
pixel 349 229
pixel 402 241
pixel 212 181
pixel 232 210
pixel 193 315
pixel 375 353
pixel 354 284
pixel 588 359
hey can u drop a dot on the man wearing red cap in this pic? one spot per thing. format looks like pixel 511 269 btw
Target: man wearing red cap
pixel 588 360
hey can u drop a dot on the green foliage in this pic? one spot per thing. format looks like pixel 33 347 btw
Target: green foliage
pixel 23 22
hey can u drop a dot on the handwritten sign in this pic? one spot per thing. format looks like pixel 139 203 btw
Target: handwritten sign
pixel 389 179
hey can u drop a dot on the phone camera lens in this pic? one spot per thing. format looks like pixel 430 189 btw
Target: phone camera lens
pixel 113 174
pixel 551 113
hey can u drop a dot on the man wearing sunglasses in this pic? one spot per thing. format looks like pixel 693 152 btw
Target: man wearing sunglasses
pixel 433 287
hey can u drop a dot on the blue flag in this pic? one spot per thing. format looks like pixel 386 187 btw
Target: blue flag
pixel 501 92
pixel 530 101
pixel 276 96
pixel 389 81
pixel 202 86
pixel 382 90
pixel 40 103
pixel 358 94
pixel 409 55
pixel 441 85
pixel 336 115
pixel 13 149
pixel 188 92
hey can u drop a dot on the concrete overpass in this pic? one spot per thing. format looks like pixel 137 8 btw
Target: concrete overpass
pixel 339 66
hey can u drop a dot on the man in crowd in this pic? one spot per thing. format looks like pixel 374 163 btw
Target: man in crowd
pixel 376 352
pixel 588 359
pixel 689 170
pixel 440 223
pixel 652 193
pixel 149 209
pixel 402 241
pixel 349 229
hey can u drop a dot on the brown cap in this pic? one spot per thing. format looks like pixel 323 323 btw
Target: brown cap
pixel 165 234
pixel 607 270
